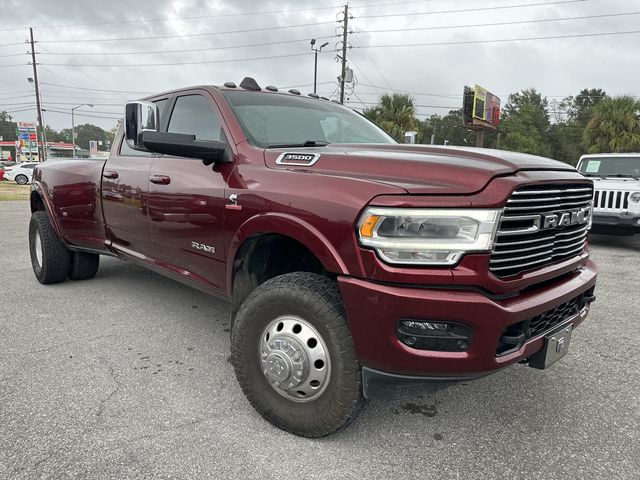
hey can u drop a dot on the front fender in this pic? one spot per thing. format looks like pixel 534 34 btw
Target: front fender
pixel 290 226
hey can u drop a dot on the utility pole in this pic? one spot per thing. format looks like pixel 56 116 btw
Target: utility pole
pixel 344 51
pixel 38 106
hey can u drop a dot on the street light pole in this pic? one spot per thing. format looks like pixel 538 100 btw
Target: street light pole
pixel 73 126
pixel 315 65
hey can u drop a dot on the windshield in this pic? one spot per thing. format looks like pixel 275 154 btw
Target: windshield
pixel 273 120
pixel 611 166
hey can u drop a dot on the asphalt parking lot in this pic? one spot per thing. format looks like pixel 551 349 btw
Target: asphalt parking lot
pixel 126 376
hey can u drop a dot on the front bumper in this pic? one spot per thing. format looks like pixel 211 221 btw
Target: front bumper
pixel 374 309
pixel 624 219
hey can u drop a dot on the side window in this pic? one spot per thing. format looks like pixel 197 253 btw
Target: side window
pixel 125 150
pixel 194 115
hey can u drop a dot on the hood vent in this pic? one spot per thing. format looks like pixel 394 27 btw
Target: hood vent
pixel 298 159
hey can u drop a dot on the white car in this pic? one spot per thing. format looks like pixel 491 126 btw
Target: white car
pixel 616 201
pixel 20 173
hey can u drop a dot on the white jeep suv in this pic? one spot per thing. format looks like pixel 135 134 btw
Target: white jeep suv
pixel 616 201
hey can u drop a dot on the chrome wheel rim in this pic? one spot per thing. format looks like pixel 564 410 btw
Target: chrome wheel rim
pixel 294 358
pixel 37 246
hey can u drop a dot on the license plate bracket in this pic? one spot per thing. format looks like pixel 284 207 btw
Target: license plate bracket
pixel 556 346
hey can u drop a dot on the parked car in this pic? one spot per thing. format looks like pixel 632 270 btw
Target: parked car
pixel 352 263
pixel 616 202
pixel 4 165
pixel 20 173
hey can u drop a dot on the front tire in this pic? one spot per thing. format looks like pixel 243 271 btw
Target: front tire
pixel 49 256
pixel 293 355
pixel 22 180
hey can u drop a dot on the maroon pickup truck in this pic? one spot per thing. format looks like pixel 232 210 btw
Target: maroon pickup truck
pixel 356 267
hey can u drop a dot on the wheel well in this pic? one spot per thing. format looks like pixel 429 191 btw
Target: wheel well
pixel 37 205
pixel 266 256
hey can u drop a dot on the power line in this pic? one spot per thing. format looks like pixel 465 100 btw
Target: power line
pixel 187 35
pixel 152 52
pixel 172 19
pixel 201 17
pixel 494 24
pixel 501 40
pixel 93 79
pixel 478 9
pixel 13 55
pixel 16 92
pixel 93 89
pixel 19 110
pixel 12 44
pixel 419 106
pixel 77 114
pixel 199 62
pixel 13 98
pixel 86 98
pixel 89 113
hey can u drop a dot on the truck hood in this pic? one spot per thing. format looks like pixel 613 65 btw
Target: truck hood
pixel 416 169
pixel 616 183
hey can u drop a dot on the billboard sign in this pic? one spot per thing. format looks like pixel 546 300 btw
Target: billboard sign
pixel 481 108
pixel 93 148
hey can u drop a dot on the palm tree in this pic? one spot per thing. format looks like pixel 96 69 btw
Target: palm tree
pixel 614 126
pixel 395 113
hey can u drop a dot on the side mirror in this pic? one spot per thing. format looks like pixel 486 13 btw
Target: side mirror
pixel 183 145
pixel 140 116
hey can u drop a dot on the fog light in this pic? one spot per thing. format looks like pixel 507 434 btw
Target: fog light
pixel 438 336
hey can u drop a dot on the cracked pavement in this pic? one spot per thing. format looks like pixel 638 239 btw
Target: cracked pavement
pixel 126 376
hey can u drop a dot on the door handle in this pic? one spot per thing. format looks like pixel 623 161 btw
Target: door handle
pixel 160 179
pixel 110 174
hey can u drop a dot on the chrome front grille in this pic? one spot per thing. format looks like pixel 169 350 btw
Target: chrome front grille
pixel 611 200
pixel 523 243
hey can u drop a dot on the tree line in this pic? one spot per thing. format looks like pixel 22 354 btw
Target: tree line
pixel 590 122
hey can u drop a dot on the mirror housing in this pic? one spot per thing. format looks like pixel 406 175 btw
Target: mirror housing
pixel 183 145
pixel 140 116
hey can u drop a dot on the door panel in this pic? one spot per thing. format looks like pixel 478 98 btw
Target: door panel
pixel 187 198
pixel 125 191
pixel 186 219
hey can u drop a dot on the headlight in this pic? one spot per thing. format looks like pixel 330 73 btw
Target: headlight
pixel 427 236
pixel 635 197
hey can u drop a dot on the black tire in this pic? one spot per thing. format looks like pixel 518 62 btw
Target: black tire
pixel 317 300
pixel 53 267
pixel 83 266
pixel 22 180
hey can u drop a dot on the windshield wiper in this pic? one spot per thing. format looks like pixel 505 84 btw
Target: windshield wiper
pixel 620 175
pixel 308 143
pixel 595 175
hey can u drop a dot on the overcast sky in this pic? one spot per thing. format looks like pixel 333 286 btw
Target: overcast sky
pixel 435 73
